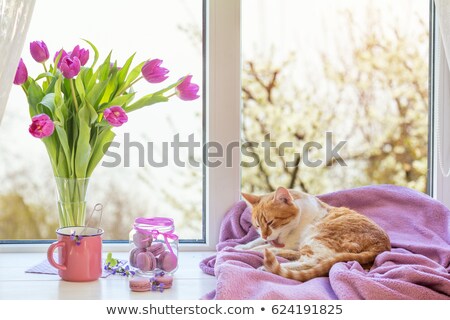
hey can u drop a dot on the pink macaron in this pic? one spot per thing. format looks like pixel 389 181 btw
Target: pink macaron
pixel 145 261
pixel 141 240
pixel 156 248
pixel 165 280
pixel 133 254
pixel 167 261
pixel 140 284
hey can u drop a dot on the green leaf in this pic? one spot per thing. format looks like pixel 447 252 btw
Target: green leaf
pixel 83 149
pixel 58 92
pixel 44 75
pixel 109 91
pixel 96 55
pixel 66 88
pixel 62 135
pixel 51 87
pixel 93 115
pixel 35 96
pixel 63 170
pixel 86 76
pixel 49 102
pixel 80 87
pixel 132 76
pixel 61 111
pixel 92 81
pixel 118 101
pixel 105 68
pixel 51 146
pixel 59 116
pixel 96 93
pixel 102 143
pixel 72 135
pixel 146 101
pixel 122 74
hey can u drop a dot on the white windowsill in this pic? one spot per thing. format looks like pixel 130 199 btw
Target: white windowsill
pixel 190 283
pixel 107 247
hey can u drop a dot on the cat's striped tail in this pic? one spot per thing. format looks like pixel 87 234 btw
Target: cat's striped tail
pixel 271 264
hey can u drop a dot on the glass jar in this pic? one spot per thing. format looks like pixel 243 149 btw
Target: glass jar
pixel 154 246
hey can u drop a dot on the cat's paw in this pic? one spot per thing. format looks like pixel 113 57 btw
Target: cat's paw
pixel 241 247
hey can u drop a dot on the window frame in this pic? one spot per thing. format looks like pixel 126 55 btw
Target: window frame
pixel 439 186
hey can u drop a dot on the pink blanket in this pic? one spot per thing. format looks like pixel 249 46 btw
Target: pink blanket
pixel 417 267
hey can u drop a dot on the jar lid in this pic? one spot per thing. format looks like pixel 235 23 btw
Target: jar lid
pixel 156 221
pixel 156 226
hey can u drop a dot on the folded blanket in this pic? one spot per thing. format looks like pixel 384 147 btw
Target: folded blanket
pixel 417 267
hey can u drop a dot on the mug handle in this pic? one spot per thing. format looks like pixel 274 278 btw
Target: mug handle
pixel 50 252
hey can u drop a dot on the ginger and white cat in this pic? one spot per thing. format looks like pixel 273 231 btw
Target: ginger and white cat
pixel 311 234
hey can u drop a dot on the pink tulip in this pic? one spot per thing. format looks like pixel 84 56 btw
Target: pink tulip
pixel 21 73
pixel 64 53
pixel 186 90
pixel 115 116
pixel 39 51
pixel 81 54
pixel 70 67
pixel 152 71
pixel 41 126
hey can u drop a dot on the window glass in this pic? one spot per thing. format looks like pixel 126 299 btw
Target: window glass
pixel 345 83
pixel 168 30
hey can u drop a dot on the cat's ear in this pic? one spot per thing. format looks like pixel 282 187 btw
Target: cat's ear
pixel 283 195
pixel 251 198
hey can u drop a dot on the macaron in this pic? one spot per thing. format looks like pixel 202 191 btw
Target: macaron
pixel 140 284
pixel 156 248
pixel 165 280
pixel 167 261
pixel 141 240
pixel 133 254
pixel 145 261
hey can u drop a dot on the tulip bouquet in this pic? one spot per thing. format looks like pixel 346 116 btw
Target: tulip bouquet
pixel 74 106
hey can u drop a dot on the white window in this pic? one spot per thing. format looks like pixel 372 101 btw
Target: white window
pixel 345 78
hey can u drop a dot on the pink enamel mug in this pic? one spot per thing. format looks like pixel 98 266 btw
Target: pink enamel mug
pixel 79 253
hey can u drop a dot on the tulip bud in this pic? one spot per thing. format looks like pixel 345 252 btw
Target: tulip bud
pixel 70 67
pixel 152 71
pixel 39 51
pixel 21 73
pixel 41 126
pixel 81 54
pixel 187 90
pixel 115 116
pixel 64 53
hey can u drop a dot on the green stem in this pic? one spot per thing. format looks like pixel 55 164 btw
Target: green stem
pixel 46 71
pixel 128 87
pixel 73 95
pixel 171 95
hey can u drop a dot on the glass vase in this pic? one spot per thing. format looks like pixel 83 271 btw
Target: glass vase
pixel 71 201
